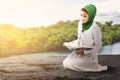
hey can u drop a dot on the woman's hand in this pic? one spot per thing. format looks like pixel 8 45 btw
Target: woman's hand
pixel 80 51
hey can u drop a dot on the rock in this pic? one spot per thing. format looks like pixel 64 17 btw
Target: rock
pixel 50 68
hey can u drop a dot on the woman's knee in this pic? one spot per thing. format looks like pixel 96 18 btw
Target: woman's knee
pixel 64 63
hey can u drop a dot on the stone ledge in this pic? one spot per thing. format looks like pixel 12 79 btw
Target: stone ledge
pixel 50 68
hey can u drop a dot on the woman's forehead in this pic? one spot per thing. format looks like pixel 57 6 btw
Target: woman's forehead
pixel 84 13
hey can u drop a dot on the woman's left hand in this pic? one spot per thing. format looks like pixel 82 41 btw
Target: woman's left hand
pixel 81 51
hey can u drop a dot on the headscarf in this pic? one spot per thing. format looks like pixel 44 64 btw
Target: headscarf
pixel 91 10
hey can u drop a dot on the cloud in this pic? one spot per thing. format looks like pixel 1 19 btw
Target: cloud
pixel 102 17
pixel 108 10
pixel 109 6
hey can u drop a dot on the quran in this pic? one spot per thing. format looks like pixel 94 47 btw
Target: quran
pixel 74 46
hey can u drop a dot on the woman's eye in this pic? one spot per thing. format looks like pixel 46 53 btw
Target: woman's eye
pixel 85 16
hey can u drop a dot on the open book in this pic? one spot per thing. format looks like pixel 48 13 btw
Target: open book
pixel 75 46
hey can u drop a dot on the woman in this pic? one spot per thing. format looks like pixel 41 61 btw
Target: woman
pixel 89 34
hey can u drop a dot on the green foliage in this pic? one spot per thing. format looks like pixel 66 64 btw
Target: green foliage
pixel 110 33
pixel 14 40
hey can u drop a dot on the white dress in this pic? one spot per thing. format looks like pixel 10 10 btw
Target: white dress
pixel 88 61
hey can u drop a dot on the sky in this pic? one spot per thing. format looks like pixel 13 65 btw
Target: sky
pixel 34 13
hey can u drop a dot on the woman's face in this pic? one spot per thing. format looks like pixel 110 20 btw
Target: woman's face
pixel 84 17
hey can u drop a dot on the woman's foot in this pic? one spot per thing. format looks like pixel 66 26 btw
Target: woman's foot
pixel 102 68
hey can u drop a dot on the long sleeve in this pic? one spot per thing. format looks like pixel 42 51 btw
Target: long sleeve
pixel 96 35
pixel 97 38
pixel 79 29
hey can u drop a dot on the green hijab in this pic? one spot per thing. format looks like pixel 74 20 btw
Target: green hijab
pixel 91 9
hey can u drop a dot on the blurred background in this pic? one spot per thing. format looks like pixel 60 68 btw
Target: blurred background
pixel 42 26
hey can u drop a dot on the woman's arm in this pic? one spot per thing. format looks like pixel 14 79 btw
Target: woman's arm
pixel 97 37
pixel 79 28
